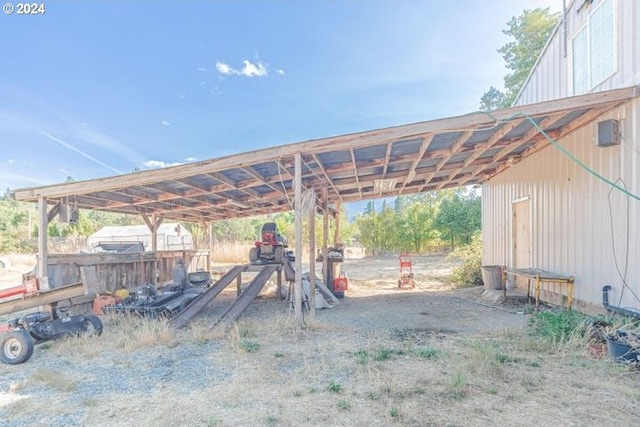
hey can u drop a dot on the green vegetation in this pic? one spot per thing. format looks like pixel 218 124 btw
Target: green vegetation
pixel 530 32
pixel 421 223
pixel 468 273
pixel 558 327
pixel 249 346
pixel 344 405
pixel 428 353
pixel 334 387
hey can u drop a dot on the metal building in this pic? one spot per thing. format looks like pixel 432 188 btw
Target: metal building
pixel 555 210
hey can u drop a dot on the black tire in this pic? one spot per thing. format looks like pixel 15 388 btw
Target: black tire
pixel 278 255
pixel 16 347
pixel 92 326
pixel 253 255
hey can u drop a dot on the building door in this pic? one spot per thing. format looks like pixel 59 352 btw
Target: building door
pixel 521 237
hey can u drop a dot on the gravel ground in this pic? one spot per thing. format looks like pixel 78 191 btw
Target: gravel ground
pixel 261 372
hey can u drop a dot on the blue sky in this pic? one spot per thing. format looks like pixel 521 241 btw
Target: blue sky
pixel 98 88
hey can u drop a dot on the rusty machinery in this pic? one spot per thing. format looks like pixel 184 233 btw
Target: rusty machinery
pixel 18 336
pixel 406 272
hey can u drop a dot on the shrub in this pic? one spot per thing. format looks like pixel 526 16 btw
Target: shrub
pixel 558 326
pixel 468 273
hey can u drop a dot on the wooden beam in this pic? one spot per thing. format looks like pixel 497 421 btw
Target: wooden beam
pixel 412 170
pixel 355 171
pixel 462 139
pixel 54 211
pixel 45 297
pixel 493 140
pixel 326 175
pixel 297 287
pixel 564 131
pixel 325 235
pixel 42 242
pixel 312 261
pixel 351 141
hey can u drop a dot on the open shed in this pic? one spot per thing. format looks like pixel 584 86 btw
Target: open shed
pixel 432 155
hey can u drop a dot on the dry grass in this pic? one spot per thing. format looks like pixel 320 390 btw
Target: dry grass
pixel 339 370
pixel 58 381
pixel 231 252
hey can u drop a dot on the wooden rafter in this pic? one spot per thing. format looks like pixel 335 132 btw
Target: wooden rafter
pixel 247 184
pixel 412 170
pixel 355 171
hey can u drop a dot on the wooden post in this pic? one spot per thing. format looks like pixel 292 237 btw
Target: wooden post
pixel 279 283
pixel 239 284
pixel 297 288
pixel 210 258
pixel 43 222
pixel 154 243
pixel 325 235
pixel 312 259
pixel 336 234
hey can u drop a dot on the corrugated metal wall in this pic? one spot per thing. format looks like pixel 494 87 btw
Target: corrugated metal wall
pixel 550 78
pixel 577 223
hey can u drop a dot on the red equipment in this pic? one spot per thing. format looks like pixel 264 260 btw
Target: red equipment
pixel 28 289
pixel 271 248
pixel 406 272
pixel 341 284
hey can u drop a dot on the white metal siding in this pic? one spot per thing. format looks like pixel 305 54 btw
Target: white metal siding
pixel 571 223
pixel 550 77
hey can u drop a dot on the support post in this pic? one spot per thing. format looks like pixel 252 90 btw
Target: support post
pixel 336 234
pixel 312 260
pixel 154 243
pixel 210 257
pixel 325 235
pixel 279 284
pixel 43 222
pixel 297 287
pixel 239 284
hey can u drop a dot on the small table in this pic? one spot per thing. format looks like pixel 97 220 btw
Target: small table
pixel 540 276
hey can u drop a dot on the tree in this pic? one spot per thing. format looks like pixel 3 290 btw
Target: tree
pixel 459 216
pixel 531 30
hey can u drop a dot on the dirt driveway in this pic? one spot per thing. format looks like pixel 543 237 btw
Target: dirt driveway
pixel 383 356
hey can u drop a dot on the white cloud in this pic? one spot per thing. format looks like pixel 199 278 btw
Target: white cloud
pixel 11 161
pixel 63 171
pixel 165 123
pixel 191 159
pixel 224 68
pixel 249 69
pixel 201 69
pixel 280 71
pixel 155 164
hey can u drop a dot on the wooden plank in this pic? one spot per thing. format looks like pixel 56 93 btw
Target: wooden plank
pixel 250 293
pixel 42 242
pixel 426 141
pixel 297 287
pixel 201 301
pixel 44 298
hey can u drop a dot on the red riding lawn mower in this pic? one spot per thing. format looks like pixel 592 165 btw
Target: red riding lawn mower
pixel 271 249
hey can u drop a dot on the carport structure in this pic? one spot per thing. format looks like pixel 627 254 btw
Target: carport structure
pixel 413 158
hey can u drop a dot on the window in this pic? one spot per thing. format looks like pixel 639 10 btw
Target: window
pixel 593 49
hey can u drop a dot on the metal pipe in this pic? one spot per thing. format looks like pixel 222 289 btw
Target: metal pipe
pixel 16 290
pixel 620 310
pixel 564 28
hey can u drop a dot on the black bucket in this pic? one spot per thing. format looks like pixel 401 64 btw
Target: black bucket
pixel 621 351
